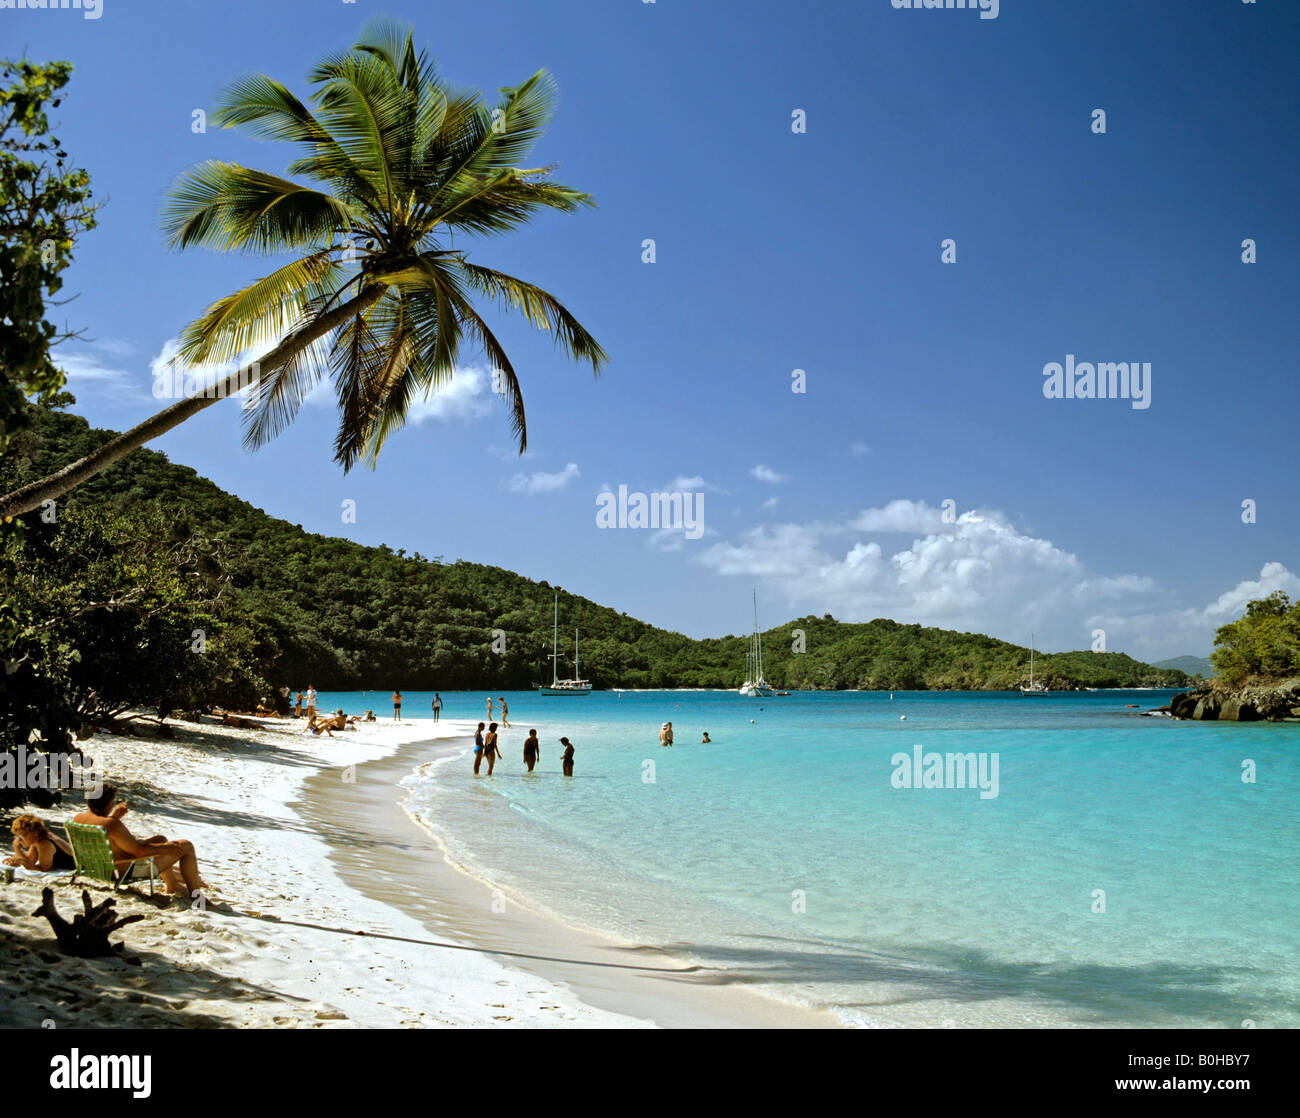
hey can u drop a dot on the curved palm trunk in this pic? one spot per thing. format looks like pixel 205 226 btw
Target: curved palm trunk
pixel 32 495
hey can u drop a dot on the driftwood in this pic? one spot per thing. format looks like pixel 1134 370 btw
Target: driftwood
pixel 87 935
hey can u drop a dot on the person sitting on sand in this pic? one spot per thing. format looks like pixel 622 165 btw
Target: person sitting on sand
pixel 338 721
pixel 568 756
pixel 532 750
pixel 707 740
pixel 37 848
pixel 490 749
pixel 370 717
pixel 168 855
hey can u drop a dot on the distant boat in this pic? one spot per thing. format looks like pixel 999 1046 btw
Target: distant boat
pixel 558 686
pixel 1033 688
pixel 755 686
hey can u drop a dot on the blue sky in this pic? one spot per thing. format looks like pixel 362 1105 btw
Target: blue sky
pixel 778 251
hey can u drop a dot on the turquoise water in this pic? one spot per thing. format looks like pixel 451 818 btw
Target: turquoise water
pixel 784 854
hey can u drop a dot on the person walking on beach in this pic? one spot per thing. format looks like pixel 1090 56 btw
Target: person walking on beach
pixel 568 756
pixel 532 750
pixel 490 750
pixel 397 705
pixel 437 705
pixel 504 721
pixel 478 747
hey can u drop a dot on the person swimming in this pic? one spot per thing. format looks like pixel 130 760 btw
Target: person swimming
pixel 706 740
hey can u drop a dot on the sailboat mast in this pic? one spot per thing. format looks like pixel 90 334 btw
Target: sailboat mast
pixel 576 673
pixel 555 644
pixel 758 644
pixel 1031 660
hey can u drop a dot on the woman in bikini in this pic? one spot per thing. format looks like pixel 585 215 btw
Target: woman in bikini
pixel 490 750
pixel 36 847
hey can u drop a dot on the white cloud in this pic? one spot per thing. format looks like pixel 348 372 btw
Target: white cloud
pixel 466 396
pixel 692 484
pixel 768 475
pixel 96 367
pixel 979 574
pixel 542 482
pixel 771 502
pixel 1232 603
pixel 900 516
pixel 859 450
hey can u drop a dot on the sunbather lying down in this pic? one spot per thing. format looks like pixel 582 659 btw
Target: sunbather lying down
pixel 228 719
pixel 36 847
pixel 175 858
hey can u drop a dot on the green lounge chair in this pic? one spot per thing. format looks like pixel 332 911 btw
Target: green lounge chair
pixel 94 857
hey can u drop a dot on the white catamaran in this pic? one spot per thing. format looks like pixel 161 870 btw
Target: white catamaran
pixel 755 686
pixel 1033 688
pixel 558 686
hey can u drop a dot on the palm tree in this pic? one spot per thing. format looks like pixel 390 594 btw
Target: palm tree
pixel 377 295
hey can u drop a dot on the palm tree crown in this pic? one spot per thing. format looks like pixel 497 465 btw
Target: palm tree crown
pixel 399 161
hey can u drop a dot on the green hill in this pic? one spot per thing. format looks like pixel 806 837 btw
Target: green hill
pixel 1192 665
pixel 345 616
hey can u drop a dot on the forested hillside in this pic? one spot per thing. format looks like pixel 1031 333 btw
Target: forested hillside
pixel 340 615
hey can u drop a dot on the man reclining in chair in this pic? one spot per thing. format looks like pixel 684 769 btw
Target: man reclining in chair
pixel 167 855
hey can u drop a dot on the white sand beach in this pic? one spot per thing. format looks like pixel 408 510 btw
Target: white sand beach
pixel 330 908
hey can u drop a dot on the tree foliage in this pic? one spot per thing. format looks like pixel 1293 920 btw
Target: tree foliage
pixel 44 207
pixel 1261 646
pixel 345 616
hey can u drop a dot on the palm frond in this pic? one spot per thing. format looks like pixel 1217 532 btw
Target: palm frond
pixel 227 206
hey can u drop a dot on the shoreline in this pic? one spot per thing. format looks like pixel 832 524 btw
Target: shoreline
pixel 283 942
pixel 407 869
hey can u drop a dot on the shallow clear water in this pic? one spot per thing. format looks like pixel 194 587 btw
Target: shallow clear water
pixel 785 854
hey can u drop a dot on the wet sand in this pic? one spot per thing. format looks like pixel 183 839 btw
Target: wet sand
pixel 404 867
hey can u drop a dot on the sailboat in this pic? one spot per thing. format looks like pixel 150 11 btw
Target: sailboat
pixel 755 686
pixel 558 686
pixel 1033 688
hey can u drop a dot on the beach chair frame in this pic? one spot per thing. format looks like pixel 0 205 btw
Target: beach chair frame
pixel 94 857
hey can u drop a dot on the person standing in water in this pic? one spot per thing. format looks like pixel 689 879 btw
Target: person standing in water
pixel 568 756
pixel 397 705
pixel 478 748
pixel 707 740
pixel 532 750
pixel 437 705
pixel 489 708
pixel 504 720
pixel 490 749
